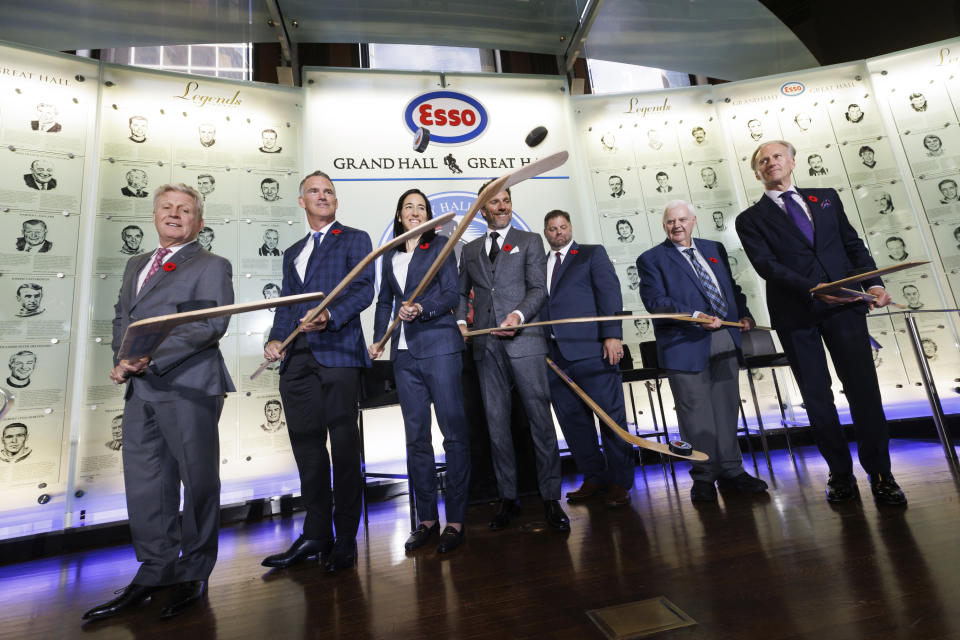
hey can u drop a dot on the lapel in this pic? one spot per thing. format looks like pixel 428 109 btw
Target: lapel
pixel 290 268
pixel 179 259
pixel 683 264
pixel 419 263
pixel 330 237
pixel 780 219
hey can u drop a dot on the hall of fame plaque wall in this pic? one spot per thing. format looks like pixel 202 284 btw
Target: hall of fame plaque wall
pixel 46 117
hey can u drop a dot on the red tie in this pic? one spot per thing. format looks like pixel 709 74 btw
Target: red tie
pixel 157 263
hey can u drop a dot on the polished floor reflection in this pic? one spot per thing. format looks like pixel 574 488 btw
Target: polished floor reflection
pixel 787 565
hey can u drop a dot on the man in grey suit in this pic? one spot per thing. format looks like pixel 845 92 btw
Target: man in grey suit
pixel 173 404
pixel 507 271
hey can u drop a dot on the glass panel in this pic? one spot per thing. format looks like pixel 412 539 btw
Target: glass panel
pixel 175 56
pixel 234 75
pixel 231 57
pixel 202 56
pixel 146 55
pixel 424 58
pixel 614 77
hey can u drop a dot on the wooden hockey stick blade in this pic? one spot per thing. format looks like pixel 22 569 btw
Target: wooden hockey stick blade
pixel 314 313
pixel 649 316
pixel 514 177
pixel 860 277
pixel 643 443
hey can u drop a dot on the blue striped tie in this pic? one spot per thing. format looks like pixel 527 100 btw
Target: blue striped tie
pixel 718 306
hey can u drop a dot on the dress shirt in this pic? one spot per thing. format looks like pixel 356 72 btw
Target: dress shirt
pixel 401 262
pixel 300 262
pixel 173 250
pixel 553 259
pixel 703 263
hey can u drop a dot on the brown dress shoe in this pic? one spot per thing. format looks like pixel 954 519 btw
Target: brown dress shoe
pixel 587 490
pixel 616 496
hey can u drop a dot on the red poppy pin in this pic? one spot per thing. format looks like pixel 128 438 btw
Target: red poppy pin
pixel 169 266
pixel 574 251
pixel 336 231
pixel 425 246
pixel 507 247
pixel 812 198
pixel 713 260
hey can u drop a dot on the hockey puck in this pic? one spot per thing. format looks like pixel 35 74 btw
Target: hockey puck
pixel 680 447
pixel 421 140
pixel 536 136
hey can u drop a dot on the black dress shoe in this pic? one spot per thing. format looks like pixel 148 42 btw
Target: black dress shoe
pixel 343 556
pixel 299 551
pixel 450 539
pixel 506 510
pixel 185 596
pixel 703 491
pixel 130 596
pixel 586 491
pixel 743 483
pixel 421 535
pixel 842 487
pixel 556 518
pixel 886 490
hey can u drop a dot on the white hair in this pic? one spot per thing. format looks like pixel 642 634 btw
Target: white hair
pixel 673 204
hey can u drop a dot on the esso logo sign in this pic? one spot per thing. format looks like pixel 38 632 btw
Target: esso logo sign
pixel 792 89
pixel 451 117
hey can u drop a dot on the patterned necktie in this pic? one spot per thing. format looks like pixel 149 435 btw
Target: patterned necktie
pixel 718 305
pixel 494 247
pixel 798 215
pixel 314 260
pixel 157 263
pixel 556 270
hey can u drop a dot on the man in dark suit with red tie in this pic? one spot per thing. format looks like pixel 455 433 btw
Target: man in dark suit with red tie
pixel 797 239
pixel 320 377
pixel 581 282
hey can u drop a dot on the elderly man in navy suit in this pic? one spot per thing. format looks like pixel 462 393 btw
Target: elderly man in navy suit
pixel 797 239
pixel 320 377
pixel 173 404
pixel 681 275
pixel 581 281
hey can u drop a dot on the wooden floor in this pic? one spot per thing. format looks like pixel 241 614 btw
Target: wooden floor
pixel 787 565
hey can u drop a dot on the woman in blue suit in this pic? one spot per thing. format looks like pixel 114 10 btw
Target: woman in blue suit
pixel 427 364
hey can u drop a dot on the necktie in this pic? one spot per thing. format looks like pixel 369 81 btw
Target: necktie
pixel 556 270
pixel 798 215
pixel 157 263
pixel 494 247
pixel 718 305
pixel 314 260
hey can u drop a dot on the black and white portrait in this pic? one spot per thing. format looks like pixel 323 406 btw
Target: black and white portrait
pixel 641 328
pixel 46 121
pixel 718 222
pixel 633 278
pixel 33 237
pixel 918 102
pixel 929 348
pixel 273 411
pixel 653 140
pixel 815 164
pixel 269 142
pixel 803 121
pixel 933 146
pixel 912 295
pixel 131 236
pixel 271 290
pixel 663 182
pixel 40 176
pixel 271 238
pixel 625 232
pixel 854 114
pixel 115 443
pixel 616 186
pixel 867 156
pixel 21 365
pixel 138 129
pixel 136 186
pixel 896 248
pixel 208 134
pixel 206 184
pixel 948 191
pixel 709 177
pixel 755 127
pixel 29 300
pixel 956 237
pixel 15 447
pixel 205 238
pixel 699 135
pixel 270 190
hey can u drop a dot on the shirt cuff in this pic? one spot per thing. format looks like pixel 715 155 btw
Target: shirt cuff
pixel 519 313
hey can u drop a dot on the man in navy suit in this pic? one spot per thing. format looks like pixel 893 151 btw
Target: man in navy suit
pixel 320 377
pixel 702 360
pixel 797 239
pixel 581 282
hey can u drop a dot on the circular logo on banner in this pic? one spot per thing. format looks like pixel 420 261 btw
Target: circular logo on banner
pixel 452 118
pixel 459 202
pixel 792 89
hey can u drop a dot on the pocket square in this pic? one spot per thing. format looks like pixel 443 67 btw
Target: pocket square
pixel 515 250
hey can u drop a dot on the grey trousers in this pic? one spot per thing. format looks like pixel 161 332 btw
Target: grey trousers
pixel 529 374
pixel 707 406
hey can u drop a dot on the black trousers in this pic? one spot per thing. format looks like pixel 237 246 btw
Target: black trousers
pixel 845 335
pixel 318 401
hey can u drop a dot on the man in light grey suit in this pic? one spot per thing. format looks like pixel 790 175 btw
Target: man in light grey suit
pixel 173 404
pixel 507 270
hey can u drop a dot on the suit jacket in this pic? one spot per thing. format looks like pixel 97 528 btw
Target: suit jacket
pixel 341 343
pixel 56 128
pixel 586 285
pixel 44 247
pixel 515 280
pixel 434 332
pixel 30 182
pixel 130 193
pixel 188 363
pixel 669 284
pixel 791 266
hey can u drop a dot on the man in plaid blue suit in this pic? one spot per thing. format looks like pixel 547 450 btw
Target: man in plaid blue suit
pixel 320 377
